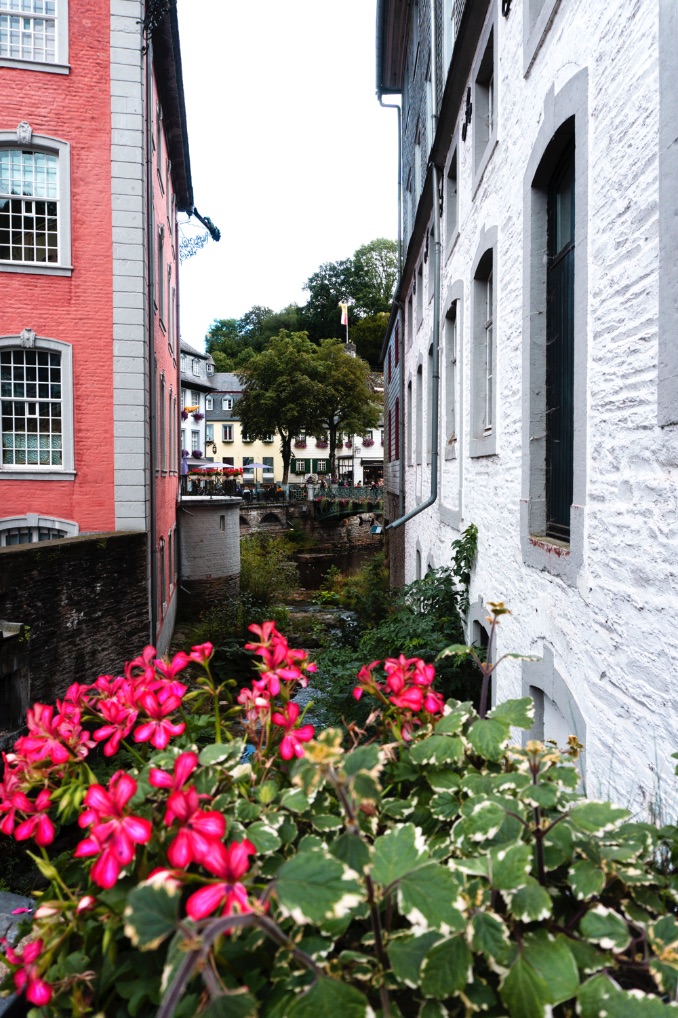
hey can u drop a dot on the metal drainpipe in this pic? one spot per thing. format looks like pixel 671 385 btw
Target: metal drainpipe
pixel 151 351
pixel 401 438
pixel 435 399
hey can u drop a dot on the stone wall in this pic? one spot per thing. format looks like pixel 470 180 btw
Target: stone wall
pixel 209 543
pixel 84 604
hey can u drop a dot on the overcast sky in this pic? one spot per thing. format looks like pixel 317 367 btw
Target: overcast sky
pixel 292 157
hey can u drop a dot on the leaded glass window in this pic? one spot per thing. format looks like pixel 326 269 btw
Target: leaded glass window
pixel 28 206
pixel 30 388
pixel 28 30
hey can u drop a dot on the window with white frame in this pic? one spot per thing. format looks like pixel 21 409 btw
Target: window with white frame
pixel 322 466
pixel 195 441
pixel 483 358
pixel 247 467
pixel 162 429
pixel 210 368
pixel 484 107
pixel 227 432
pixel 451 374
pixel 182 361
pixel 209 432
pixel 34 31
pixel 226 403
pixel 420 414
pixel 300 466
pixel 195 398
pixel 451 200
pixel 268 467
pixel 36 393
pixel 420 294
pixel 209 402
pixel 161 572
pixel 160 297
pixel 267 438
pixel 195 365
pixel 34 204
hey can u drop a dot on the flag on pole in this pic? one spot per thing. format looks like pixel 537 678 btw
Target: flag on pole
pixel 344 314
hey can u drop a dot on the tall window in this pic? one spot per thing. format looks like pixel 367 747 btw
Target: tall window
pixel 28 30
pixel 161 572
pixel 420 414
pixel 209 433
pixel 209 402
pixel 451 200
pixel 396 428
pixel 429 403
pixel 488 327
pixel 161 274
pixel 226 403
pixel 31 390
pixel 408 420
pixel 484 109
pixel 195 366
pixel 560 348
pixel 227 432
pixel 29 207
pixel 162 432
pixel 195 441
pixel 451 374
pixel 268 467
pixel 483 440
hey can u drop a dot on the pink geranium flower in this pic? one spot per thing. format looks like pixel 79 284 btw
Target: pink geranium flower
pixel 115 833
pixel 159 730
pixel 38 992
pixel 411 698
pixel 120 722
pixel 12 797
pixel 202 653
pixel 230 892
pixel 293 738
pixel 57 736
pixel 198 829
pixel 184 765
pixel 38 825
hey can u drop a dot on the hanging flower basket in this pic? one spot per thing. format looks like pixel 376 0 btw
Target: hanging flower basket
pixel 197 454
pixel 185 453
pixel 198 416
pixel 321 445
pixel 184 415
pixel 367 442
pixel 300 445
pixel 348 445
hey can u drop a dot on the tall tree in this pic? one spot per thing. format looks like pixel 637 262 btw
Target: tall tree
pixel 368 336
pixel 375 274
pixel 346 400
pixel 329 285
pixel 281 391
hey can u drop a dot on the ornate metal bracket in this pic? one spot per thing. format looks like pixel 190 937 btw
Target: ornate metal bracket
pixel 467 114
pixel 155 12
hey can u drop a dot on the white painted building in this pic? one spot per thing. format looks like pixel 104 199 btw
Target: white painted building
pixel 540 185
pixel 197 383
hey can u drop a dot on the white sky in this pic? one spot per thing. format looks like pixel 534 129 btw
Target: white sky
pixel 291 155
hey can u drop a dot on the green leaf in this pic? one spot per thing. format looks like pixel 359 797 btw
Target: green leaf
pixel 222 752
pixel 545 796
pixel 489 936
pixel 443 781
pixel 586 879
pixel 483 818
pixel 431 894
pixel 606 928
pixel 558 846
pixel 264 838
pixel 365 758
pixel 518 713
pixel 314 886
pixel 329 997
pixel 597 817
pixel 447 968
pixel 238 1004
pixel 397 852
pixel 511 865
pixel 151 914
pixel 295 800
pixel 266 792
pixel 396 808
pixel 438 749
pixel 524 992
pixel 445 806
pixel 530 903
pixel 451 723
pixel 554 962
pixel 588 957
pixel 351 850
pixel 432 1009
pixel 327 822
pixel 488 737
pixel 247 811
pixel 601 996
pixel 406 955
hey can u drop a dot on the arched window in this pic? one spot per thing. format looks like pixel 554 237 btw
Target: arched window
pixel 36 391
pixel 34 527
pixel 35 229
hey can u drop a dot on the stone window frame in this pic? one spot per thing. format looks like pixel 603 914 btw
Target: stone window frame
pixel 61 64
pixel 667 354
pixel 483 441
pixel 66 472
pixel 480 158
pixel 62 150
pixel 35 521
pixel 536 26
pixel 454 298
pixel 451 234
pixel 565 117
pixel 543 676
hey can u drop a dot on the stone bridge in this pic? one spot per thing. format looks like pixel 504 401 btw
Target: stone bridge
pixel 279 517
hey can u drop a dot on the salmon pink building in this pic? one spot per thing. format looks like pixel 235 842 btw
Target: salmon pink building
pixel 94 167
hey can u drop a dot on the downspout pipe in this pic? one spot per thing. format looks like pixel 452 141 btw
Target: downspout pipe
pixel 152 389
pixel 395 106
pixel 435 398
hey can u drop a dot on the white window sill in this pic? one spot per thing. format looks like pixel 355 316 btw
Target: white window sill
pixel 486 445
pixel 34 65
pixel 35 474
pixel 37 270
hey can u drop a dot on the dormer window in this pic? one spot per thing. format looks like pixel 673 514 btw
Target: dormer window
pixel 195 366
pixel 210 368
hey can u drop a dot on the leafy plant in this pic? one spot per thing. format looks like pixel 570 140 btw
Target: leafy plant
pixel 423 867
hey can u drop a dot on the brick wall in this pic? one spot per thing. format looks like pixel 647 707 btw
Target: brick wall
pixel 85 603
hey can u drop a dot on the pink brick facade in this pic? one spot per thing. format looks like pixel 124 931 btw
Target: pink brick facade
pixel 105 306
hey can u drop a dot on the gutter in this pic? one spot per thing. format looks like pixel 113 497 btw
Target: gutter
pixel 150 268
pixel 435 396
